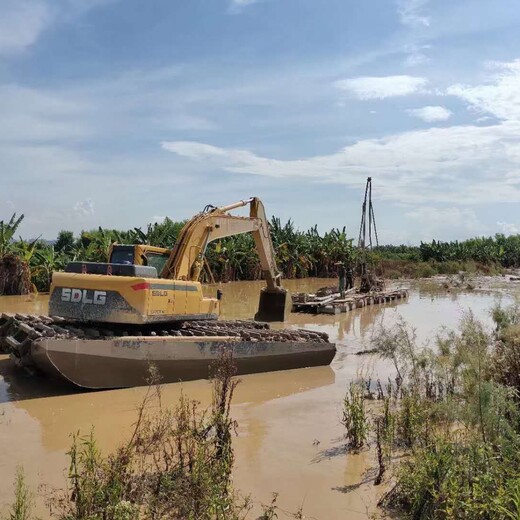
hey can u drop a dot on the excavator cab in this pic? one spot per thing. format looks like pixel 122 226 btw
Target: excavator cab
pixel 139 254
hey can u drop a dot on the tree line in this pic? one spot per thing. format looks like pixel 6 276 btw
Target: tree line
pixel 29 264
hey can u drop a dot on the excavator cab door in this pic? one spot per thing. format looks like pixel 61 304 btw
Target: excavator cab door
pixel 157 260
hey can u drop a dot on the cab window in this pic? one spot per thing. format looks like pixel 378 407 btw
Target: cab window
pixel 157 260
pixel 122 255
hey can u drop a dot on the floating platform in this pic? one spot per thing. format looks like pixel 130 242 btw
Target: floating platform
pixel 118 357
pixel 335 304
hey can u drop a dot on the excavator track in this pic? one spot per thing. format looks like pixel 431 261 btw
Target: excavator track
pixel 19 331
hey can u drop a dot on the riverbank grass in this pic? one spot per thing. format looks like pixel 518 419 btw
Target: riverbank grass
pixel 176 464
pixel 22 506
pixel 455 421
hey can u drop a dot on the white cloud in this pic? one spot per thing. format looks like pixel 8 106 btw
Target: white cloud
pixel 440 222
pixel 416 58
pixel 369 87
pixel 84 207
pixel 236 6
pixel 198 151
pixel 463 164
pixel 431 114
pixel 412 13
pixel 21 23
pixel 507 228
pixel 445 215
pixel 499 97
pixel 416 55
pixel 33 115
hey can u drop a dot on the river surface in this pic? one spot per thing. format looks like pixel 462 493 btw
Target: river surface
pixel 289 431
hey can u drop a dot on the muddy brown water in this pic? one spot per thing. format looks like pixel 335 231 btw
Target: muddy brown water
pixel 289 436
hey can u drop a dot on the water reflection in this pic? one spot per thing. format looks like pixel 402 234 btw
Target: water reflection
pixel 17 385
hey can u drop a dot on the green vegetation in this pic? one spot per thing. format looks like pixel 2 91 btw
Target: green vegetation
pixel 176 464
pixel 15 275
pixel 23 500
pixel 453 416
pixel 355 418
pixel 299 254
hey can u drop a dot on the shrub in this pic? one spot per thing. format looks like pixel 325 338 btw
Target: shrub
pixel 505 364
pixel 355 417
pixel 177 464
pixel 23 500
pixel 424 270
pixel 458 421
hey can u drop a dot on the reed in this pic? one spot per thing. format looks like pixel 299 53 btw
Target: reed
pixel 455 423
pixel 355 417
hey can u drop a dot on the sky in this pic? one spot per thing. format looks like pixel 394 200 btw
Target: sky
pixel 117 113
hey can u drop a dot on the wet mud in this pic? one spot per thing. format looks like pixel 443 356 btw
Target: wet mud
pixel 289 436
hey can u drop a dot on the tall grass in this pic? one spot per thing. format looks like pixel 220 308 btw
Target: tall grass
pixel 355 418
pixel 456 421
pixel 176 464
pixel 23 499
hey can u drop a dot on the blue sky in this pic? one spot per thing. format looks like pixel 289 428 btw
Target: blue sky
pixel 117 113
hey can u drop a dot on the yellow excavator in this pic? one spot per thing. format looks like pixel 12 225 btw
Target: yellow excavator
pixel 108 322
pixel 149 285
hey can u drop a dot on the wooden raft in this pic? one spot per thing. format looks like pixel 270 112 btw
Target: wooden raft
pixel 334 304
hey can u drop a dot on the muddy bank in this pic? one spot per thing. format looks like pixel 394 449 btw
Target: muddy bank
pixel 290 436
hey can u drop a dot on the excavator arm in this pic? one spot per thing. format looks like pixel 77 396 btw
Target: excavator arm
pixel 186 259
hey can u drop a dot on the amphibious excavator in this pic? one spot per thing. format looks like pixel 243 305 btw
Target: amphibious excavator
pixel 108 322
pixel 143 285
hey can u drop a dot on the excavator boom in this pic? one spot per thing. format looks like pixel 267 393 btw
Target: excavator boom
pixel 186 259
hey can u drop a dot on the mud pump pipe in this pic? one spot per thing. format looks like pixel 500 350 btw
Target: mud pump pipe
pixel 186 259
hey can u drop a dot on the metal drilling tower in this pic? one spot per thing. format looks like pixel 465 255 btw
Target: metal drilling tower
pixel 367 233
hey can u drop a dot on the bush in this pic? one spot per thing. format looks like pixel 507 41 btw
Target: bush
pixel 355 417
pixel 505 363
pixel 457 418
pixel 177 464
pixel 424 270
pixel 449 267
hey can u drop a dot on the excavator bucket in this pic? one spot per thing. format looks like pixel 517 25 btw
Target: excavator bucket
pixel 273 305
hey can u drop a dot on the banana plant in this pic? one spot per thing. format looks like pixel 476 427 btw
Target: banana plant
pixel 7 231
pixel 45 261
